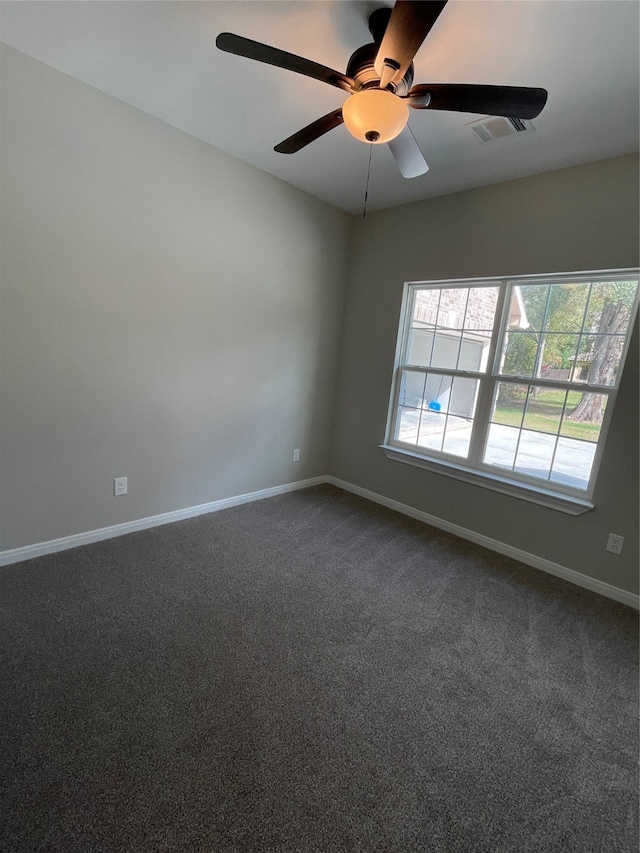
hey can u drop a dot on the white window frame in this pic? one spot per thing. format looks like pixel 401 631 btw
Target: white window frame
pixel 473 470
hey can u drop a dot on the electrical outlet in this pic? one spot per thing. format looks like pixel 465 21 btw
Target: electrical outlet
pixel 296 455
pixel 615 543
pixel 120 486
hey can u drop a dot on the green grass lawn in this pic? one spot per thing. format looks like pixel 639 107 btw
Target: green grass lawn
pixel 544 412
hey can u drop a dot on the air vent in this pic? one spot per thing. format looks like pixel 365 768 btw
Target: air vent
pixel 497 127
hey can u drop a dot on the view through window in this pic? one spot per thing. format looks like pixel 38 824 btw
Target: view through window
pixel 514 378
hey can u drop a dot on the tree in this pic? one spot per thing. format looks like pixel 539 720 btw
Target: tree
pixel 605 356
pixel 557 315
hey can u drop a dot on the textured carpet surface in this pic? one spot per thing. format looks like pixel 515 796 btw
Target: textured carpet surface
pixel 311 673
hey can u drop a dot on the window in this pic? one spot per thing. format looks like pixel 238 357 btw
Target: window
pixel 511 383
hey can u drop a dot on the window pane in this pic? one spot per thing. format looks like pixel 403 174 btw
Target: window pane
pixel 610 305
pixel 446 349
pixel 461 410
pixel 509 403
pixel 584 415
pixel 432 430
pixel 437 392
pixel 474 351
pixel 535 452
pixel 412 388
pixel 544 409
pixel 566 307
pixel 462 402
pixel 573 462
pixel 411 400
pixel 407 425
pixel 481 308
pixel 531 301
pixel 598 359
pixel 419 346
pixel 558 356
pixel 457 438
pixel 519 354
pixel 502 443
pixel 425 306
pixel 434 416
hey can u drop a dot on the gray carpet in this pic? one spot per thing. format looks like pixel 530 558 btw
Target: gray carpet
pixel 311 673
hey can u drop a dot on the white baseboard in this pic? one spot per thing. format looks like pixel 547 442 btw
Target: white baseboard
pixel 17 555
pixel 533 560
pixel 28 552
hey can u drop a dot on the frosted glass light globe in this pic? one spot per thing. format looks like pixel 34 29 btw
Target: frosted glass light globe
pixel 375 115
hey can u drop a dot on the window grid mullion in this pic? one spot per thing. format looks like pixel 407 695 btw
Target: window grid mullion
pixel 410 309
pixel 484 401
pixel 464 320
pixel 537 364
pixel 582 327
pixel 520 428
pixel 435 327
pixel 560 422
pixel 424 391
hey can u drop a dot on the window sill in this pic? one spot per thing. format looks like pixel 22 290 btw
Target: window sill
pixel 543 497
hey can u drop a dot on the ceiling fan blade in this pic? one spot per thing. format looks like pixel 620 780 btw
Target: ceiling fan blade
pixel 310 133
pixel 510 101
pixel 409 25
pixel 408 155
pixel 281 59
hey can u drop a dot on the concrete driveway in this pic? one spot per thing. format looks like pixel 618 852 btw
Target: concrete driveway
pixel 548 457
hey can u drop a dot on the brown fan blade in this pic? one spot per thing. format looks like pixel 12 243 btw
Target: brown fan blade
pixel 281 59
pixel 510 101
pixel 409 25
pixel 310 133
pixel 408 155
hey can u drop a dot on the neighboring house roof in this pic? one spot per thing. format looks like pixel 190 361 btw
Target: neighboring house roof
pixel 518 316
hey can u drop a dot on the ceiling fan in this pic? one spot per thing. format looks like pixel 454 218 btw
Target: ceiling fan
pixel 379 78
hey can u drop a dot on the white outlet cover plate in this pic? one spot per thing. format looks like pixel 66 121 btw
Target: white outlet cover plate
pixel 120 486
pixel 615 543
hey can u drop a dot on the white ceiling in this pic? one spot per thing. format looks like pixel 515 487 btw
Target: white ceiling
pixel 161 57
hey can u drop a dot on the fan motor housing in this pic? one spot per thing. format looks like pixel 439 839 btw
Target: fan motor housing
pixel 361 69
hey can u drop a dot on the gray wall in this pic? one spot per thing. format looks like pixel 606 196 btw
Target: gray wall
pixel 584 218
pixel 169 314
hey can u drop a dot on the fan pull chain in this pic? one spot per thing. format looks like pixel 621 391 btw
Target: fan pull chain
pixel 366 192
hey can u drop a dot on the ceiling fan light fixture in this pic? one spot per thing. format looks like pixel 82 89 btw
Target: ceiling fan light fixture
pixel 375 115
